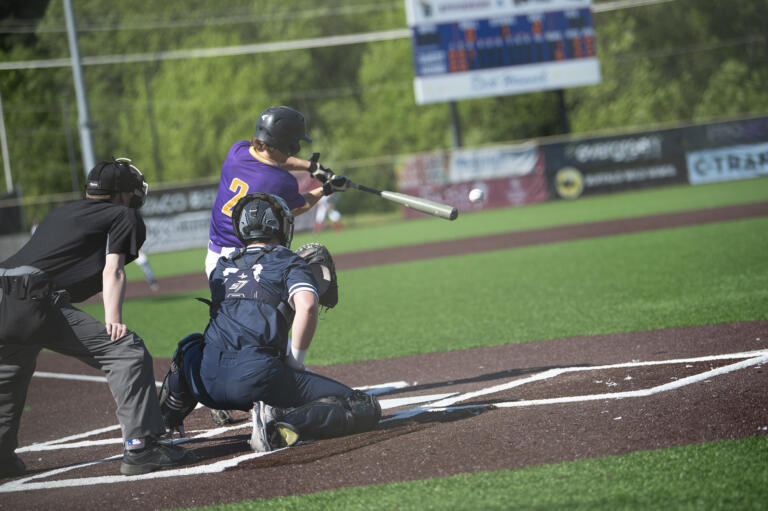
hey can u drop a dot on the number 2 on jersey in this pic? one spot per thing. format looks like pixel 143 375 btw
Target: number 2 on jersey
pixel 240 188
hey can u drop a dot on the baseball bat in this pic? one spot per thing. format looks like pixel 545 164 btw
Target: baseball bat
pixel 409 201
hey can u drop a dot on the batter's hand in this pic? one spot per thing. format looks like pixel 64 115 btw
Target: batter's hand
pixel 322 174
pixel 335 184
pixel 116 330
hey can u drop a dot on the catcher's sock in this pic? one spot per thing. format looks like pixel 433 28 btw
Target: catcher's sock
pixel 298 354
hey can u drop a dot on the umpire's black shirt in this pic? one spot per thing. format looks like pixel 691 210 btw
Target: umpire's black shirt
pixel 71 244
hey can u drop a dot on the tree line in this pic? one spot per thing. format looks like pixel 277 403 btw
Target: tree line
pixel 670 62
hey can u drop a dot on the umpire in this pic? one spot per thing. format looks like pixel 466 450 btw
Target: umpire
pixel 78 250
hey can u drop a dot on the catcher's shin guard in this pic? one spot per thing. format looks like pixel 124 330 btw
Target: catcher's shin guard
pixel 334 416
pixel 365 410
pixel 176 400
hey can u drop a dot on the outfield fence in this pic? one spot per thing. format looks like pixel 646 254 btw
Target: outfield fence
pixel 177 215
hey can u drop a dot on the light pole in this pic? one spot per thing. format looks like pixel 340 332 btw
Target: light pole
pixel 86 143
pixel 4 146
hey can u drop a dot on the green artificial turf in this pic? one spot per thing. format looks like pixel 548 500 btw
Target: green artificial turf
pixel 697 275
pixel 724 475
pixel 683 276
pixel 547 214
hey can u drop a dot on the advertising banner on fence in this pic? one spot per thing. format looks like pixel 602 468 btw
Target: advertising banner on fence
pixel 610 164
pixel 727 163
pixel 726 133
pixel 459 165
pixel 499 192
pixel 509 175
pixel 179 218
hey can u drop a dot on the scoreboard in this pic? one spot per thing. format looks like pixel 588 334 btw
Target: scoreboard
pixel 475 48
pixel 486 44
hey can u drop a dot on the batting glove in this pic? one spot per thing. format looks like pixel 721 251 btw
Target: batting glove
pixel 319 172
pixel 335 184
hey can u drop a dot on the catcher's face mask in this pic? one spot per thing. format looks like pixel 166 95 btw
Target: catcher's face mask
pixel 261 217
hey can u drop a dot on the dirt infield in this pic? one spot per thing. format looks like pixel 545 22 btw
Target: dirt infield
pixel 508 406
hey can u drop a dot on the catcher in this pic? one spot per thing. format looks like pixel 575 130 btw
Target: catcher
pixel 243 361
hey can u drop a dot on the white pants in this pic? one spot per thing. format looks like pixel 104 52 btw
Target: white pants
pixel 213 257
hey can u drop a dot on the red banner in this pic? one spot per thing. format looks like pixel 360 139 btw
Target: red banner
pixel 499 192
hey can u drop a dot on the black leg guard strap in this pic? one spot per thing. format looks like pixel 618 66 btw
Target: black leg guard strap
pixel 333 416
pixel 365 410
pixel 176 400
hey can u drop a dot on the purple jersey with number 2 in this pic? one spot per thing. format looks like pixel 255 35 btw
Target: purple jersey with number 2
pixel 244 173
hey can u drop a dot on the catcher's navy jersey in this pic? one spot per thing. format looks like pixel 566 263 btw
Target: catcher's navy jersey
pixel 244 293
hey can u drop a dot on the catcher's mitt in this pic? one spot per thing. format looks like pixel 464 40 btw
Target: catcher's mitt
pixel 321 263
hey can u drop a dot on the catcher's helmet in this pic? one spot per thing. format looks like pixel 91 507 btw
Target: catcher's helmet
pixel 119 175
pixel 261 217
pixel 282 127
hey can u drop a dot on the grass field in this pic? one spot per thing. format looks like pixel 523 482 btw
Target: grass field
pixel 684 276
pixel 724 475
pixel 379 235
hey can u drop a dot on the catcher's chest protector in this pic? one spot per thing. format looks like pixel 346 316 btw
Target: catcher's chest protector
pixel 244 281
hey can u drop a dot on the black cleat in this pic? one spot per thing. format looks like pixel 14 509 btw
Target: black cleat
pixel 154 456
pixel 12 466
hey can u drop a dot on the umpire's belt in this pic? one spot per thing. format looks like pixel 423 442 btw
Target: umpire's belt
pixel 25 282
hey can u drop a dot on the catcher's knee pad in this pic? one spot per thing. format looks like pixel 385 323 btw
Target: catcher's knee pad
pixel 189 342
pixel 335 416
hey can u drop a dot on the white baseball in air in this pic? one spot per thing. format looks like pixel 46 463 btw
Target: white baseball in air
pixel 476 195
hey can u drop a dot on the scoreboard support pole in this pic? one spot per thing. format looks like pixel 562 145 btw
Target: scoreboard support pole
pixel 565 126
pixel 456 124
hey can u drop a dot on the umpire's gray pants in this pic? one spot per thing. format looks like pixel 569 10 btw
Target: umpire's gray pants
pixel 126 362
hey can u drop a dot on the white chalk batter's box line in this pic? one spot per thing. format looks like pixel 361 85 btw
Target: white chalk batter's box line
pixel 426 404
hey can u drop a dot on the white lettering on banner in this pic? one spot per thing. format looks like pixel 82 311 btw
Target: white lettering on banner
pixel 180 201
pixel 460 165
pixel 516 193
pixel 737 132
pixel 177 232
pixel 624 150
pixel 486 163
pixel 422 169
pixel 727 163
pixel 630 175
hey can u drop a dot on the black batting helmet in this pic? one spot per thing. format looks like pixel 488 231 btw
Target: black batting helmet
pixel 282 127
pixel 118 175
pixel 261 217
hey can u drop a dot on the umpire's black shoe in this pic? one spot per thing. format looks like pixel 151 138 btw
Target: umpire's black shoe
pixel 12 466
pixel 154 455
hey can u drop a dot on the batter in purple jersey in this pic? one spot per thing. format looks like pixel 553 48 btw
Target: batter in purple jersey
pixel 264 165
